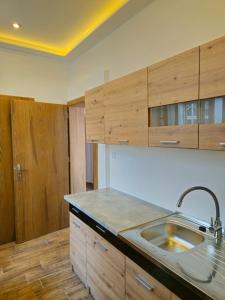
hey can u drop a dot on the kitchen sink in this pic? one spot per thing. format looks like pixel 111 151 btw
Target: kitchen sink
pixel 172 237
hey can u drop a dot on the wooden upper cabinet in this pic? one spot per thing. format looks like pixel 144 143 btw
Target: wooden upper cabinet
pixel 126 110
pixel 94 111
pixel 174 80
pixel 212 69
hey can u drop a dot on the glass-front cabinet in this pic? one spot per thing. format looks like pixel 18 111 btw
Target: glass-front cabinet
pixel 174 125
pixel 212 124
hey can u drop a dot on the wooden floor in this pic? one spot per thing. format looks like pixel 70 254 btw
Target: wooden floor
pixel 39 269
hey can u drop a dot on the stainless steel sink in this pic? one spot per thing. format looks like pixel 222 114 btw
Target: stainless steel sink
pixel 172 237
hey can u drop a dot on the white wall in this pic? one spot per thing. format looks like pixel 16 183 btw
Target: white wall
pixel 25 74
pixel 162 29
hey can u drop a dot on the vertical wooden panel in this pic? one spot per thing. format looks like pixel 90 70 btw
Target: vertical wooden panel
pixel 175 79
pixel 77 148
pixel 126 110
pixel 212 69
pixel 94 108
pixel 40 146
pixel 6 174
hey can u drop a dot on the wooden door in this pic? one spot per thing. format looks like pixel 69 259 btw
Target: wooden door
pixel 40 155
pixel 175 79
pixel 94 110
pixel 212 69
pixel 6 174
pixel 126 110
pixel 77 148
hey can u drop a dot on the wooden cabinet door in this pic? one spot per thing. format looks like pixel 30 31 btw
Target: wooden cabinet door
pixel 94 111
pixel 212 136
pixel 175 79
pixel 126 111
pixel 78 247
pixel 141 286
pixel 212 69
pixel 174 136
pixel 105 269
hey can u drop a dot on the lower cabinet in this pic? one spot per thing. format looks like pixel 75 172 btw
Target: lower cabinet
pixel 105 269
pixel 141 286
pixel 108 273
pixel 78 255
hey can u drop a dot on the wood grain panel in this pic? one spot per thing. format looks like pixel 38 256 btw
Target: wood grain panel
pixel 7 228
pixel 77 148
pixel 105 269
pixel 137 291
pixel 212 69
pixel 186 136
pixel 94 111
pixel 78 247
pixel 40 146
pixel 211 136
pixel 126 112
pixel 174 80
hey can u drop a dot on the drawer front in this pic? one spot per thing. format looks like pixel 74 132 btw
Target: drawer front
pixel 174 136
pixel 77 229
pixel 212 136
pixel 105 269
pixel 79 259
pixel 141 286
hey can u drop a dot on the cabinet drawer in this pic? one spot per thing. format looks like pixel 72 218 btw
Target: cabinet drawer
pixel 141 286
pixel 105 268
pixel 212 136
pixel 174 136
pixel 77 229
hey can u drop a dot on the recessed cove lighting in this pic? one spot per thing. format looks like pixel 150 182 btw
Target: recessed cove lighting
pixel 16 25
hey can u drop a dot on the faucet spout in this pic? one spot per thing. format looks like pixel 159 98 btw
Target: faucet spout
pixel 218 223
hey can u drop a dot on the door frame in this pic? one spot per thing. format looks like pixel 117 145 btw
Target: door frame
pixel 78 101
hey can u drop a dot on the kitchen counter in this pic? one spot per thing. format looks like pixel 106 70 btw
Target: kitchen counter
pixel 201 268
pixel 114 210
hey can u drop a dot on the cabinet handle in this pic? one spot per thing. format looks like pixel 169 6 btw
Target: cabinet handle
pixel 170 142
pixel 75 210
pixel 124 142
pixel 102 247
pixel 76 225
pixel 222 144
pixel 94 141
pixel 100 228
pixel 140 279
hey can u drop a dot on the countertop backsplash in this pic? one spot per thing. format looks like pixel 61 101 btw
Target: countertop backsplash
pixel 160 176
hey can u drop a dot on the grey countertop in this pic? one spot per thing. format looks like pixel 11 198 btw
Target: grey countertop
pixel 114 210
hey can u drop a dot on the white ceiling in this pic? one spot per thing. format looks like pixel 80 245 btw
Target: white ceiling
pixel 59 26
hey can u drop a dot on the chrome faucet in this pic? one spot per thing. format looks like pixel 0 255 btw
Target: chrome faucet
pixel 217 225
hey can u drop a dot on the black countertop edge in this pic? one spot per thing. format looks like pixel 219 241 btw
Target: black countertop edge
pixel 172 281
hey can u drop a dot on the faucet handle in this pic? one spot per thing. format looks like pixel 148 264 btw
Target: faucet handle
pixel 212 222
pixel 211 228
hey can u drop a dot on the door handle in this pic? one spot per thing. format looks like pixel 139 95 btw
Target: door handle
pixel 19 171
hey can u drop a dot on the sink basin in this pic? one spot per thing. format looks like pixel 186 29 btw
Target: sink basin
pixel 172 237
